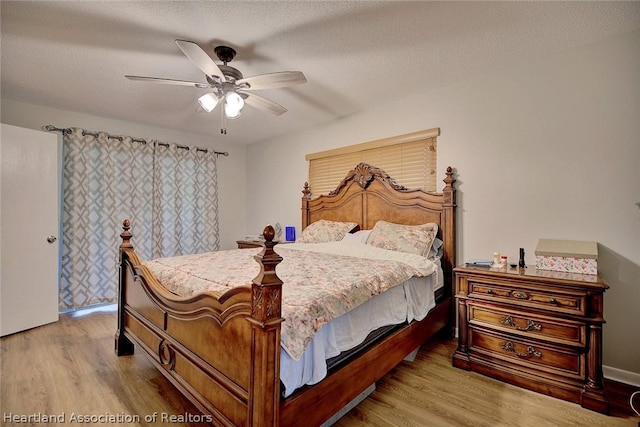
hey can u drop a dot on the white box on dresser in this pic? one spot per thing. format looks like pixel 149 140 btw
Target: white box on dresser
pixel 571 256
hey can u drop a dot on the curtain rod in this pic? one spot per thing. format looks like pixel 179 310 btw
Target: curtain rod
pixel 65 131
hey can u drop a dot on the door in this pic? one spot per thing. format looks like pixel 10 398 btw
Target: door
pixel 29 224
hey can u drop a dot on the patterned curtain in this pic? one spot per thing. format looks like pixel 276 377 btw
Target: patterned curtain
pixel 185 197
pixel 107 179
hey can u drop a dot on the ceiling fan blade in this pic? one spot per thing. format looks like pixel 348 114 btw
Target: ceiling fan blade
pixel 273 80
pixel 168 81
pixel 200 58
pixel 263 104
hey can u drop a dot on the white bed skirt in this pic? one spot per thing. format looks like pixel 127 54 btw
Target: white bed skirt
pixel 407 302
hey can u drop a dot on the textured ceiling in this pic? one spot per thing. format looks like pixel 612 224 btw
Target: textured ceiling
pixel 74 55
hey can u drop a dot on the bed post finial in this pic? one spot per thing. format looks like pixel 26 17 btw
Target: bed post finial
pixel 306 191
pixel 267 285
pixel 126 235
pixel 449 191
pixel 306 197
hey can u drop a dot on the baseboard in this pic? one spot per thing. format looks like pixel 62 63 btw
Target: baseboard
pixel 621 376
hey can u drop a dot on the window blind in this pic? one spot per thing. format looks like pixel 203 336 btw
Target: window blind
pixel 409 159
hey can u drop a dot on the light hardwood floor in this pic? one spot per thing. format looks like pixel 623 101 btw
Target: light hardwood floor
pixel 69 367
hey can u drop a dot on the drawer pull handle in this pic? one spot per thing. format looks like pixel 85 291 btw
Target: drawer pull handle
pixel 553 301
pixel 531 325
pixel 490 291
pixel 520 295
pixel 531 351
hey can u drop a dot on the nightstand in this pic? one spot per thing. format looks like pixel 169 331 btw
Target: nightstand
pixel 245 244
pixel 537 329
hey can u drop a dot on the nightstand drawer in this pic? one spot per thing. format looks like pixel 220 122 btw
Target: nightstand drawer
pixel 530 355
pixel 528 325
pixel 529 297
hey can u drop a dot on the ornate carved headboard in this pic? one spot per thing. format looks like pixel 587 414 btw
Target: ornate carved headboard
pixel 367 194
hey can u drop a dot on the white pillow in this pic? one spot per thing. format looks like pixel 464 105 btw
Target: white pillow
pixel 357 237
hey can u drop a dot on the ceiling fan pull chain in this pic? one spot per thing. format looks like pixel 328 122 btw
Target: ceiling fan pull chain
pixel 223 129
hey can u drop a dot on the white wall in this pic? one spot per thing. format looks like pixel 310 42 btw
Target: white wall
pixel 232 174
pixel 550 149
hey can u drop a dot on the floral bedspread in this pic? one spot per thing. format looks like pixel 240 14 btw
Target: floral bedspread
pixel 321 281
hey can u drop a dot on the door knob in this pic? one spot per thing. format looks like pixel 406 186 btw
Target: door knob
pixel 51 239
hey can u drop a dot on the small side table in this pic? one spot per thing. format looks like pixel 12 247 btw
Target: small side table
pixel 245 244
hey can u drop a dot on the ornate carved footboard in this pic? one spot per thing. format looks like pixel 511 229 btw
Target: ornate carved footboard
pixel 223 351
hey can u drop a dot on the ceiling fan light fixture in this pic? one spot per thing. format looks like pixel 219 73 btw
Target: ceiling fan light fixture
pixel 233 101
pixel 231 113
pixel 233 104
pixel 208 102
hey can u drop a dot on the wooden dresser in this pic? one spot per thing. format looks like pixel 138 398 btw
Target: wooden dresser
pixel 541 330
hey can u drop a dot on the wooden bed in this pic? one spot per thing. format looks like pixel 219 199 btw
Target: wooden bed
pixel 223 353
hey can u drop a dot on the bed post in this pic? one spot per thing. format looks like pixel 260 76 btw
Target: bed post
pixel 306 196
pixel 449 238
pixel 123 345
pixel 266 306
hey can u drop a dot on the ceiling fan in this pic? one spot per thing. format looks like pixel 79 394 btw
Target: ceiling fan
pixel 227 85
